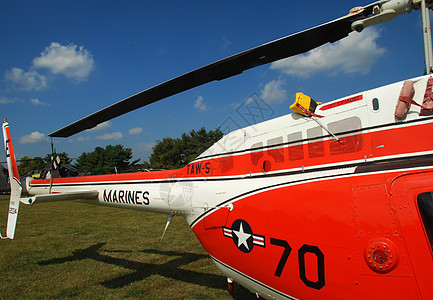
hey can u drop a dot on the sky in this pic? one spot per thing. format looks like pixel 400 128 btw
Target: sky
pixel 63 60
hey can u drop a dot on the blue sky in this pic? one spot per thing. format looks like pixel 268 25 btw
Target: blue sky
pixel 63 60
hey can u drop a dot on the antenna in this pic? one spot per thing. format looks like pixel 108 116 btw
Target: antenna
pixel 426 31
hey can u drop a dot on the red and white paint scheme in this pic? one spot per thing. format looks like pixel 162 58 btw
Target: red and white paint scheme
pixel 294 208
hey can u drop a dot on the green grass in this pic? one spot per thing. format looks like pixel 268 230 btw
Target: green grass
pixel 70 250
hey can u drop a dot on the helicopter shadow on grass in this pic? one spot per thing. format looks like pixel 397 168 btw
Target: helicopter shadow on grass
pixel 171 269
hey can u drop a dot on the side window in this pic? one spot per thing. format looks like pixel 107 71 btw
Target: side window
pixel 296 148
pixel 350 142
pixel 226 164
pixel 256 155
pixel 316 147
pixel 277 154
pixel 425 205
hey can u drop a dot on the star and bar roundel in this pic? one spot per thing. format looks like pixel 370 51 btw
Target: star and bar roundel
pixel 243 237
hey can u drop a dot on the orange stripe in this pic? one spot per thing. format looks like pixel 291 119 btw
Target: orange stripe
pixel 381 143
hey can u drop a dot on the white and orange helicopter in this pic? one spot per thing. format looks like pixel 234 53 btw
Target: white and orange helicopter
pixel 252 198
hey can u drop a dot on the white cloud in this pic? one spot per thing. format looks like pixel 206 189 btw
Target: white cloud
pixel 354 54
pixel 79 139
pixel 6 100
pixel 273 92
pixel 28 81
pixel 143 150
pixel 82 139
pixel 101 127
pixel 37 102
pixel 200 105
pixel 136 130
pixel 108 133
pixel 110 136
pixel 71 61
pixel 32 138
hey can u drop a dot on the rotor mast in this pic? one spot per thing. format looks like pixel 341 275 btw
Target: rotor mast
pixel 426 31
pixel 386 10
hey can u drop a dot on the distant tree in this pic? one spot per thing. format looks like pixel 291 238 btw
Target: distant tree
pixel 145 166
pixel 28 164
pixel 166 154
pixel 196 142
pixel 176 153
pixel 64 159
pixel 107 161
pixel 25 165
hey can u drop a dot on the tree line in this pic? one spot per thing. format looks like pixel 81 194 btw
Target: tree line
pixel 168 153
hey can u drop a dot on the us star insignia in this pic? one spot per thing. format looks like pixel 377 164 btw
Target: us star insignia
pixel 243 237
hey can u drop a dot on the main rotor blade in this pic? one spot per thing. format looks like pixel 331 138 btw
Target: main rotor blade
pixel 282 48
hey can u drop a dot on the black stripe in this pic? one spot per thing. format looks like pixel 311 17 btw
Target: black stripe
pixel 414 162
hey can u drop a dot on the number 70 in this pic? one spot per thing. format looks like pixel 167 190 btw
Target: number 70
pixel 301 262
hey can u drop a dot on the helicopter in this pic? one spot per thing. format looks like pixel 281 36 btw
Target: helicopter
pixel 334 200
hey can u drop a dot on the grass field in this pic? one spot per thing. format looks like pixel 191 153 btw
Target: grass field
pixel 78 251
